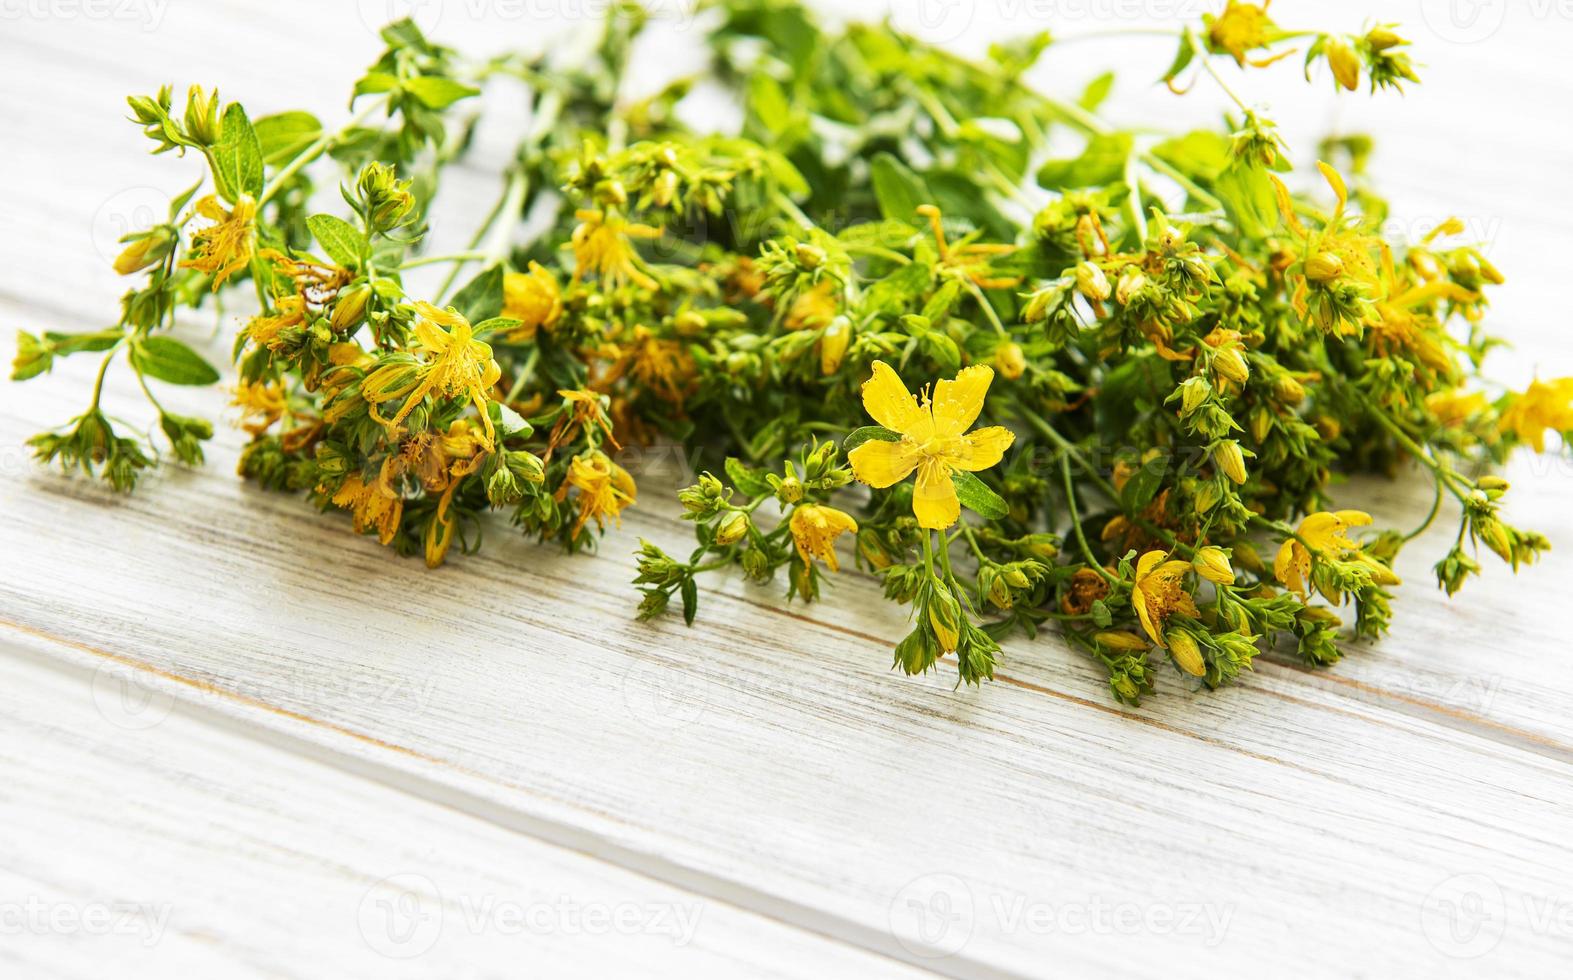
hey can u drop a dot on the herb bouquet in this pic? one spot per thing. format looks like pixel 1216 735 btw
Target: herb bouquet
pixel 1138 367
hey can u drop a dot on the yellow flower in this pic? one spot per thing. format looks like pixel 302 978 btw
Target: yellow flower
pixel 1010 361
pixel 604 489
pixel 813 308
pixel 264 330
pixel 1241 27
pixel 1453 408
pixel 1325 535
pixel 970 260
pixel 934 439
pixel 227 245
pixel 532 298
pixel 601 245
pixel 1544 405
pixel 261 400
pixel 1159 592
pixel 661 365
pixel 371 506
pixel 457 364
pixel 814 531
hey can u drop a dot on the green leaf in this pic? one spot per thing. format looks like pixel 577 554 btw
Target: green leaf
pixel 508 422
pixel 898 190
pixel 690 599
pixel 237 159
pixel 858 437
pixel 80 343
pixel 1201 154
pixel 1102 162
pixel 767 105
pixel 167 359
pixel 283 136
pixel 977 497
pixel 341 240
pixel 496 324
pixel 436 92
pixel 481 298
pixel 1181 59
pixel 1144 483
pixel 1096 91
pixel 749 481
pixel 374 82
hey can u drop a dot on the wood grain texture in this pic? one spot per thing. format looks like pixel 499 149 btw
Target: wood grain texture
pixel 147 832
pixel 766 760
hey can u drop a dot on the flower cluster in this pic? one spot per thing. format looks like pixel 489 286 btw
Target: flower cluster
pixel 895 330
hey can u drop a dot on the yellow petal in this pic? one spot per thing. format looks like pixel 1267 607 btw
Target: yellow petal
pixel 881 464
pixel 982 448
pixel 958 402
pixel 889 402
pixel 1139 600
pixel 1146 563
pixel 934 499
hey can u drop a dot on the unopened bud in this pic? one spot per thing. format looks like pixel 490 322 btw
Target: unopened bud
pixel 1212 564
pixel 1092 283
pixel 1183 648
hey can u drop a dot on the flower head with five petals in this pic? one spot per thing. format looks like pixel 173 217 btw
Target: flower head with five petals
pixel 934 439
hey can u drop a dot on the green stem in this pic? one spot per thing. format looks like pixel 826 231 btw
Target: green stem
pixel 103 369
pixel 988 308
pixel 439 259
pixel 1207 65
pixel 1081 538
pixel 1138 219
pixel 1436 507
pixel 1444 474
pixel 316 148
pixel 792 210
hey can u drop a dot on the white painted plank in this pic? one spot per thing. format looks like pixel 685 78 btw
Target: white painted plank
pixel 771 760
pixel 1280 803
pixel 146 832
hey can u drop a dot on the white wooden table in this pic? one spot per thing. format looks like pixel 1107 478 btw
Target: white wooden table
pixel 213 763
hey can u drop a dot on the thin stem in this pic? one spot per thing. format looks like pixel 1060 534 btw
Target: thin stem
pixel 1134 183
pixel 1081 538
pixel 793 211
pixel 103 369
pixel 316 148
pixel 1207 65
pixel 1436 507
pixel 438 259
pixel 1443 473
pixel 1091 124
pixel 988 308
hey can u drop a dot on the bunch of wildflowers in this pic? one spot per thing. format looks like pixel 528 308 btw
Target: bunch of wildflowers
pixel 1019 388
